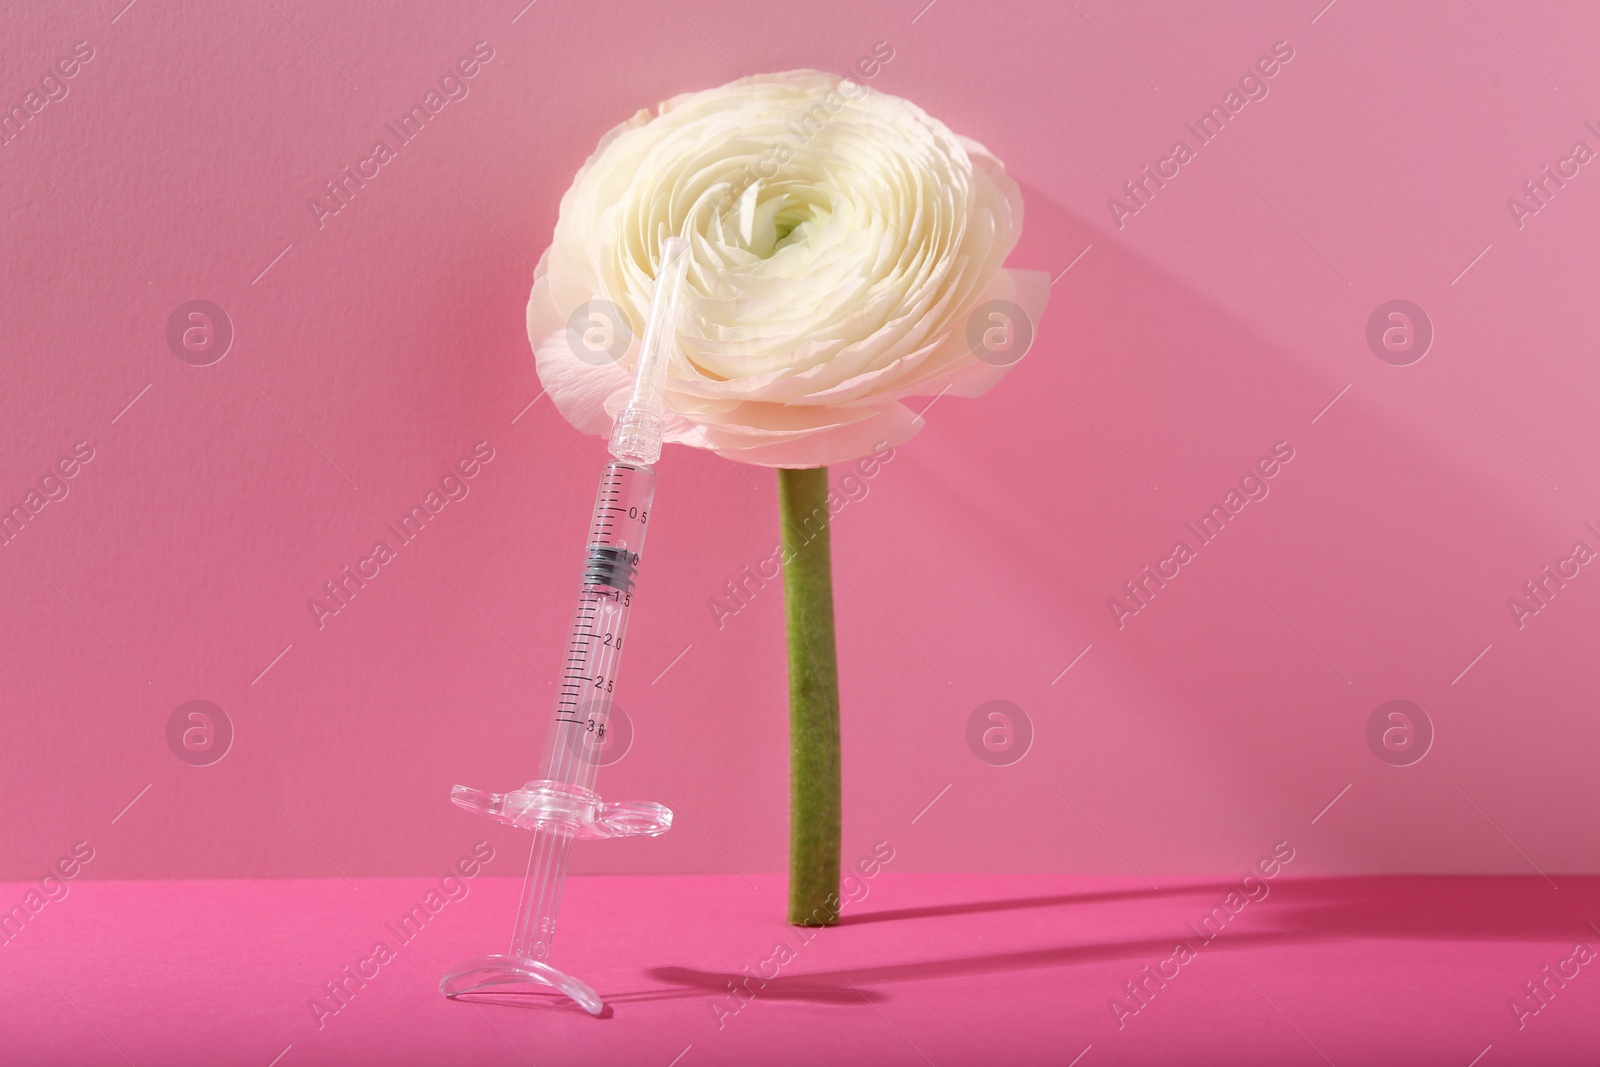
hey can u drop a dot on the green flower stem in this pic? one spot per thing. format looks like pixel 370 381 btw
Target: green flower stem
pixel 813 698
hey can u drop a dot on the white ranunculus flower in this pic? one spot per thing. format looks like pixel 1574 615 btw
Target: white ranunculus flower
pixel 841 239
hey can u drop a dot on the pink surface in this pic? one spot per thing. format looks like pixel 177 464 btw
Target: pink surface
pixel 942 969
pixel 1228 313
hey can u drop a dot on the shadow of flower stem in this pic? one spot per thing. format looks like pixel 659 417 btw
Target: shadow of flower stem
pixel 813 698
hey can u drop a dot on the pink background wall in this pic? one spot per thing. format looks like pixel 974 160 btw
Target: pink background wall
pixel 1221 318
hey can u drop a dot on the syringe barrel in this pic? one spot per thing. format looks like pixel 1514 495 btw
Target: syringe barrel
pixel 576 744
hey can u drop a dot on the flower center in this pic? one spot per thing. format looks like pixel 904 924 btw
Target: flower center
pixel 771 217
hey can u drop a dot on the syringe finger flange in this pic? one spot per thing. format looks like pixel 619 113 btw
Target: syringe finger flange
pixel 561 807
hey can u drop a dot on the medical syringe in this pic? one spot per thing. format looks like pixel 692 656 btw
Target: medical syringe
pixel 561 805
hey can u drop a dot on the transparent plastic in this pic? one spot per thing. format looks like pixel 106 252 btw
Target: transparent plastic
pixel 560 806
pixel 636 432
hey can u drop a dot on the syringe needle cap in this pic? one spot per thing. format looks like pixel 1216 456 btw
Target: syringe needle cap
pixel 636 434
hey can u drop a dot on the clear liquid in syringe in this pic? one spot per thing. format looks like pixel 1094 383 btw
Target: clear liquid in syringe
pixel 594 649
